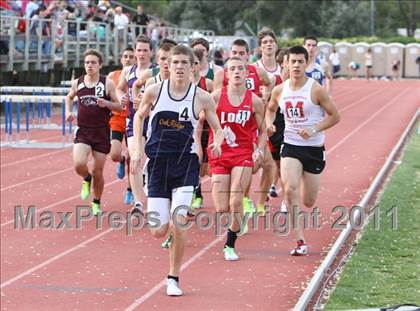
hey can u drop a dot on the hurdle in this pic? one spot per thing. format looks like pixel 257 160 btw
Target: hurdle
pixel 37 115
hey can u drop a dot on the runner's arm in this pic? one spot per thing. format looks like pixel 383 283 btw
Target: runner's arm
pixel 270 113
pixel 218 79
pixel 259 118
pixel 208 106
pixel 69 101
pixel 267 83
pixel 122 84
pixel 209 85
pixel 114 104
pixel 328 78
pixel 148 99
pixel 320 96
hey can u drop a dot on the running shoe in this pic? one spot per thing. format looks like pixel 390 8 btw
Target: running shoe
pixel 283 207
pixel 273 191
pixel 137 208
pixel 167 242
pixel 244 229
pixel 121 169
pixel 230 254
pixel 261 209
pixel 301 249
pixel 96 209
pixel 129 198
pixel 197 203
pixel 85 192
pixel 172 288
pixel 248 205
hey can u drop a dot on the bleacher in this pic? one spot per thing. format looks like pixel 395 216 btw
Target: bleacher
pixel 26 50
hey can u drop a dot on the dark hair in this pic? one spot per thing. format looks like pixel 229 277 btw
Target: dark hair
pixel 201 41
pixel 94 53
pixel 310 38
pixel 169 41
pixel 264 33
pixel 127 49
pixel 241 42
pixel 298 49
pixel 166 47
pixel 280 55
pixel 183 50
pixel 144 39
pixel 199 54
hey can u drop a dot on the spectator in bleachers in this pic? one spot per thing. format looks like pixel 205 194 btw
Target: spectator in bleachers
pixel 121 23
pixel 141 19
pixel 71 25
pixel 36 20
pixel 60 13
pixel 81 8
pixel 40 27
pixel 154 34
pixel 104 5
pixel 31 7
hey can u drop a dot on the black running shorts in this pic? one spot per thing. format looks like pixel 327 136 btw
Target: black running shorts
pixel 312 158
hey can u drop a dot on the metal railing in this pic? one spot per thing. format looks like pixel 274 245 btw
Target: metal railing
pixel 33 50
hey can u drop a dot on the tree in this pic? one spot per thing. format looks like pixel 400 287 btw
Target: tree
pixel 213 15
pixel 410 14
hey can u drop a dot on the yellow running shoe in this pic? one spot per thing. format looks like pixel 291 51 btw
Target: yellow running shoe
pixel 247 205
pixel 96 209
pixel 261 209
pixel 85 192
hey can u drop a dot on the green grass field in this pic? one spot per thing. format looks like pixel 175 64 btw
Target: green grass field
pixel 385 268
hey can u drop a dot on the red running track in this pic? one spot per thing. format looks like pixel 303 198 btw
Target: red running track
pixel 104 269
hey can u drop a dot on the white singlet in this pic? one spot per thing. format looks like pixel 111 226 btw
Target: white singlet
pixel 300 112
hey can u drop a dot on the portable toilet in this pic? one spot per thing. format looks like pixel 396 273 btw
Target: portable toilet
pixel 395 51
pixel 324 50
pixel 359 52
pixel 379 59
pixel 344 50
pixel 411 69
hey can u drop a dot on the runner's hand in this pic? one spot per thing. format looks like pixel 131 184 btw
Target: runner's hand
pixel 137 101
pixel 305 133
pixel 271 130
pixel 70 117
pixel 135 162
pixel 257 155
pixel 103 103
pixel 216 149
pixel 125 100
